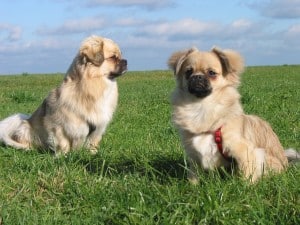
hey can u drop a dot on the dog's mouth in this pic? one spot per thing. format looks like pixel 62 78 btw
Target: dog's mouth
pixel 199 86
pixel 120 69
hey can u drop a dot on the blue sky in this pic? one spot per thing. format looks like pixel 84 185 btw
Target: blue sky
pixel 43 36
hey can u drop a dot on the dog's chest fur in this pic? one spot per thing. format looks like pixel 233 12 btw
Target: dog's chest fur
pixel 100 114
pixel 199 116
pixel 106 106
pixel 196 117
pixel 203 149
pixel 95 109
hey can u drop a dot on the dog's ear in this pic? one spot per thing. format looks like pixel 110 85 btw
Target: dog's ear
pixel 177 58
pixel 92 51
pixel 232 64
pixel 231 61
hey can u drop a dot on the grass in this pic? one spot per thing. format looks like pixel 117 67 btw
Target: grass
pixel 139 174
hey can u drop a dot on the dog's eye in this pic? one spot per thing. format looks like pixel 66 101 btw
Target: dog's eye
pixel 189 72
pixel 113 58
pixel 212 73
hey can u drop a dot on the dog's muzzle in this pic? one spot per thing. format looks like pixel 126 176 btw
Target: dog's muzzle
pixel 121 68
pixel 199 85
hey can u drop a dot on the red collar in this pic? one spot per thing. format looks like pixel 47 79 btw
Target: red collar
pixel 218 140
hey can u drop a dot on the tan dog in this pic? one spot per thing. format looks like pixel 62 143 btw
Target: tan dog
pixel 206 107
pixel 75 114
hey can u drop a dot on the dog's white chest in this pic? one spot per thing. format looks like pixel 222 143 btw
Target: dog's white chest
pixel 104 106
pixel 205 151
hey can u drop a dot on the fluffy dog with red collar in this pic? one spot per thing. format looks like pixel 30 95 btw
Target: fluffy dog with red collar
pixel 211 120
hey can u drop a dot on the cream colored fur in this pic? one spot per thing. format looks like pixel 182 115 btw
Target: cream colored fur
pixel 76 113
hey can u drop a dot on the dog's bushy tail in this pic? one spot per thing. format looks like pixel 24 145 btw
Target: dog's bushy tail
pixel 15 131
pixel 292 155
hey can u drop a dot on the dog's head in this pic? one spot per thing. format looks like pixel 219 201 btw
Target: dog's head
pixel 98 56
pixel 200 73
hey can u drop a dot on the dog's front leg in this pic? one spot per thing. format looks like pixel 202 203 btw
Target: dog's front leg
pixel 250 160
pixel 192 173
pixel 94 139
pixel 93 145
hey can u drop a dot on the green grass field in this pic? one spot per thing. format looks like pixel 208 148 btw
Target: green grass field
pixel 139 174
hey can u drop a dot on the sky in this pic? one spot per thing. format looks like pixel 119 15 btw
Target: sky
pixel 43 36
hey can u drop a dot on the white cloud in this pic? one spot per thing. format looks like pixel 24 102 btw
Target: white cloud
pixel 11 32
pixel 280 9
pixel 180 28
pixel 241 24
pixel 35 47
pixel 192 30
pixel 47 55
pixel 148 4
pixel 129 22
pixel 74 26
pixel 291 36
pixel 244 29
pixel 294 31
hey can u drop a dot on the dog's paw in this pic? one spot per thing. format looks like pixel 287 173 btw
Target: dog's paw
pixel 93 150
pixel 60 154
pixel 193 178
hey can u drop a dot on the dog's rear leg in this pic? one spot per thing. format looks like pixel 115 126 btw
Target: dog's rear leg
pixel 58 142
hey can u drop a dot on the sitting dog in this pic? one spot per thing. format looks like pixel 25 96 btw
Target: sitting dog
pixel 76 113
pixel 211 121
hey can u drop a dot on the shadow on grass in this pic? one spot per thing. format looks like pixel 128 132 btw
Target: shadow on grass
pixel 161 169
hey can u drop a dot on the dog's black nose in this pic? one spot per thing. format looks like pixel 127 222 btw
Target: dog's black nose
pixel 199 86
pixel 124 62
